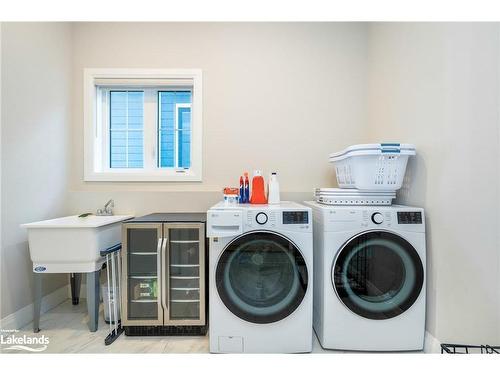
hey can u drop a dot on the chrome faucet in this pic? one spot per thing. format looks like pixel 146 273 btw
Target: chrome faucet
pixel 108 209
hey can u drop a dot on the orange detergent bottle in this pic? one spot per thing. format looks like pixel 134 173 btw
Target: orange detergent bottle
pixel 258 193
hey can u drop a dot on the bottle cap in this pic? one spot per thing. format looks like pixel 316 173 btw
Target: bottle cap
pixel 231 191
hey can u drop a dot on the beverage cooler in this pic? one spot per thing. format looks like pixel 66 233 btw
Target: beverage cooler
pixel 164 275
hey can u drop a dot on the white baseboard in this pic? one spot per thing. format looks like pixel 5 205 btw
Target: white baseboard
pixel 24 316
pixel 431 344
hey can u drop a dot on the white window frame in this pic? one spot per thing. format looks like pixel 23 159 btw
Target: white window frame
pixel 96 141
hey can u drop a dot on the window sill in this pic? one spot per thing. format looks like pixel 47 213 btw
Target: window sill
pixel 134 176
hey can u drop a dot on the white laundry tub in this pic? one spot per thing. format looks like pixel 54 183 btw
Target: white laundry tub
pixel 72 243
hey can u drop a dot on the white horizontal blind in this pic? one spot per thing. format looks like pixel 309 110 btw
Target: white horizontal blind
pixel 144 82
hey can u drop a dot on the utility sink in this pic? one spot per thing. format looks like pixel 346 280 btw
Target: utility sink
pixel 72 243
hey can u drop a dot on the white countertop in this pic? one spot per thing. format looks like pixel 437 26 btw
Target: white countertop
pixel 91 221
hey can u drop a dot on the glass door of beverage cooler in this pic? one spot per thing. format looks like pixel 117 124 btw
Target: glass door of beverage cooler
pixel 143 246
pixel 184 274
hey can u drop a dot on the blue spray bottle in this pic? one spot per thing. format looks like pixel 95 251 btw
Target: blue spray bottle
pixel 246 188
pixel 241 198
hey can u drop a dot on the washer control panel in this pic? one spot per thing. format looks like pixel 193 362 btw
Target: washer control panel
pixel 295 217
pixel 275 219
pixel 261 218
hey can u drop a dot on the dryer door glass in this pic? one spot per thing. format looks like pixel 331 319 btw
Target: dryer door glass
pixel 261 277
pixel 378 275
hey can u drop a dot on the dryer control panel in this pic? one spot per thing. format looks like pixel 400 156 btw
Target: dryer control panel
pixel 409 217
pixel 347 218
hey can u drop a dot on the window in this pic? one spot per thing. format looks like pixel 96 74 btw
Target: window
pixel 142 125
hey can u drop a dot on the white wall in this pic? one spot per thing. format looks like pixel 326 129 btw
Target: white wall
pixel 276 97
pixel 437 85
pixel 36 107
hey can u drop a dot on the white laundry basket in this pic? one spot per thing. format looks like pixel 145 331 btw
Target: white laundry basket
pixel 378 166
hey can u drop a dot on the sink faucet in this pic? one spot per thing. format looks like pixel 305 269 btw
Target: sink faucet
pixel 108 209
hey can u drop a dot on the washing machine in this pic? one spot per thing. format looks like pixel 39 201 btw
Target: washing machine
pixel 369 277
pixel 261 278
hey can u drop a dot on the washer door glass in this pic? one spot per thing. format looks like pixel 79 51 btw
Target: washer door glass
pixel 378 275
pixel 261 277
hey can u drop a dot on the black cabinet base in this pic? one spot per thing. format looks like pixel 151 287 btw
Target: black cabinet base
pixel 166 330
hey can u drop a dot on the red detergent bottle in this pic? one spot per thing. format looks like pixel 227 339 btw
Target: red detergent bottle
pixel 258 192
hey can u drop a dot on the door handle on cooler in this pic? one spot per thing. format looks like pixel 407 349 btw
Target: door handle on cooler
pixel 159 287
pixel 163 275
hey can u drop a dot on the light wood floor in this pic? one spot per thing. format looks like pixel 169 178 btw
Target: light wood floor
pixel 66 327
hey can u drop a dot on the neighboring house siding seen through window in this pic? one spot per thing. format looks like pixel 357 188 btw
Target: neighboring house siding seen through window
pixel 126 129
pixel 175 129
